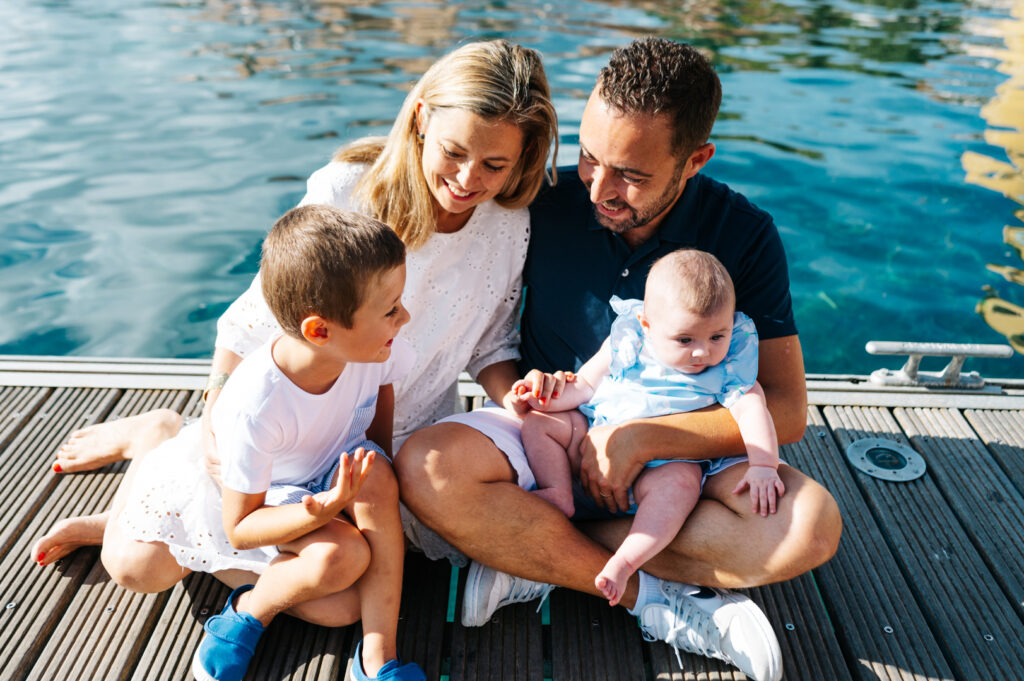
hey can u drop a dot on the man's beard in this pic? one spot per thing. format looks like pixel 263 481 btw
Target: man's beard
pixel 645 215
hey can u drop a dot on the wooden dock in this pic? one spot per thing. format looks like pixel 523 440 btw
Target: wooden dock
pixel 928 582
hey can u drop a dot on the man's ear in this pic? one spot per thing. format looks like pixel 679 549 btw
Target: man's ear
pixel 698 159
pixel 314 329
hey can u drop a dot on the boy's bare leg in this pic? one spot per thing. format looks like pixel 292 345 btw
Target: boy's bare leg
pixel 547 440
pixel 375 512
pixel 665 496
pixel 326 561
pixel 102 443
pixel 333 610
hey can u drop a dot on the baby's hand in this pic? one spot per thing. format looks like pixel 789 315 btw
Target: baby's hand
pixel 765 485
pixel 352 471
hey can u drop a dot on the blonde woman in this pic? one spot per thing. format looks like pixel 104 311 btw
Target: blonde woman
pixel 466 155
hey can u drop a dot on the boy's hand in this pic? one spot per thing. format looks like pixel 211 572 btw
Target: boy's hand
pixel 352 471
pixel 765 486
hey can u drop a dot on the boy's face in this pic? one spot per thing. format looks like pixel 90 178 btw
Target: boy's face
pixel 685 341
pixel 377 321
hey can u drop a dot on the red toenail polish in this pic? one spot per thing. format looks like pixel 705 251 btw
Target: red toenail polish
pixel 57 468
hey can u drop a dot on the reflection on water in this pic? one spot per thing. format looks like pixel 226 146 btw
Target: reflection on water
pixel 147 145
pixel 1005 116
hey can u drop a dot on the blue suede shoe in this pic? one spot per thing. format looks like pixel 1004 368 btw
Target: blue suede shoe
pixel 229 643
pixel 393 670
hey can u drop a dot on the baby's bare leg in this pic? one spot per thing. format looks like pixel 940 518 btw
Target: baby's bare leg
pixel 548 440
pixel 665 496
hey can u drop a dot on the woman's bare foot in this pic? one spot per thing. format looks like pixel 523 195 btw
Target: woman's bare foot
pixel 612 579
pixel 67 535
pixel 97 445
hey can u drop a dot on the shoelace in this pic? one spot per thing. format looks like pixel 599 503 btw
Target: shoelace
pixel 524 590
pixel 696 626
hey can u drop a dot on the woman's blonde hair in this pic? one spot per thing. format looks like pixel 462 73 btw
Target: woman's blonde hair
pixel 496 80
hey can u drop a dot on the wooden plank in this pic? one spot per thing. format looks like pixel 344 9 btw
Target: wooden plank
pixel 423 617
pixel 508 648
pixel 591 641
pixel 882 632
pixel 989 506
pixel 17 406
pixel 1003 434
pixel 175 635
pixel 810 649
pixel 102 615
pixel 977 626
pixel 25 462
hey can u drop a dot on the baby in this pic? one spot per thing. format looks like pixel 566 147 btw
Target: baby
pixel 683 347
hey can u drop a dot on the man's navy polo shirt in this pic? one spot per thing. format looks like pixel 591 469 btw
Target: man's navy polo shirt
pixel 574 266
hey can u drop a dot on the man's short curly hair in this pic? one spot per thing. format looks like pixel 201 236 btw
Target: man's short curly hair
pixel 659 76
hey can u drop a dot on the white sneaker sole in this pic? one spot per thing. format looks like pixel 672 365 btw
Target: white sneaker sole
pixel 197 669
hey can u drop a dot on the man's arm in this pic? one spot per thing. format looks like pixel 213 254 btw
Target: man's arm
pixel 612 456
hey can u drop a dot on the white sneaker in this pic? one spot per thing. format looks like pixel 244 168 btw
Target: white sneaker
pixel 488 589
pixel 715 623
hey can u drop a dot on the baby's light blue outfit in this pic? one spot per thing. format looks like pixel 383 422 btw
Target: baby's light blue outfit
pixel 640 386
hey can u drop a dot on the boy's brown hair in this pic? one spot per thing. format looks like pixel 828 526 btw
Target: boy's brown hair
pixel 694 279
pixel 319 260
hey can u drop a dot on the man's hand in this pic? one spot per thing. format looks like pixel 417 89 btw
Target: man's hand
pixel 607 470
pixel 352 471
pixel 765 486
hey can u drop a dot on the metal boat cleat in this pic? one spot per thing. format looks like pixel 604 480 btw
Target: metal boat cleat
pixel 950 377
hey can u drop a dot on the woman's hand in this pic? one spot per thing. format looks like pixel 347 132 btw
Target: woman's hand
pixel 537 390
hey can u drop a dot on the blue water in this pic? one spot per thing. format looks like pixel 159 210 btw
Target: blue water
pixel 145 147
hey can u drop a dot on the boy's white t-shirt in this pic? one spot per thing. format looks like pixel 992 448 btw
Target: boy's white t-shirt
pixel 271 431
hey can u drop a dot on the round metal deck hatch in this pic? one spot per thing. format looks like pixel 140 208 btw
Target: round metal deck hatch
pixel 886 459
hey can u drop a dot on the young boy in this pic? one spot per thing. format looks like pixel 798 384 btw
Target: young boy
pixel 292 428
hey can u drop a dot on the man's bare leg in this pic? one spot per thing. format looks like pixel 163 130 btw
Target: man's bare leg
pixel 102 443
pixel 723 544
pixel 458 483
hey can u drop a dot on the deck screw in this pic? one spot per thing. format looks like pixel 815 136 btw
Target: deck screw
pixel 887 629
pixel 989 637
pixel 821 433
pixel 204 611
pixel 594 624
pixel 109 608
pixel 12 605
pixel 790 626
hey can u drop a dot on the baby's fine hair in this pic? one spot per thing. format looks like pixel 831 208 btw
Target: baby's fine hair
pixel 694 279
pixel 319 260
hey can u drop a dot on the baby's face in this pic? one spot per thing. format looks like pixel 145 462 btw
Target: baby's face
pixel 685 341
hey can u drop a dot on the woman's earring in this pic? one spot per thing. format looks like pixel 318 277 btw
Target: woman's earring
pixel 420 136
